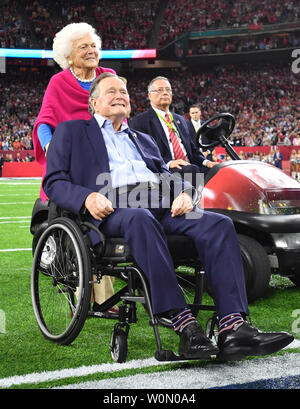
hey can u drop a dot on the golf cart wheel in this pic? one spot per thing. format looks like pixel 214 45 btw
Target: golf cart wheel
pixel 118 345
pixel 256 266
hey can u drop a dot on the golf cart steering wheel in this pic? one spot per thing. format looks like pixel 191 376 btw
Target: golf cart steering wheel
pixel 216 129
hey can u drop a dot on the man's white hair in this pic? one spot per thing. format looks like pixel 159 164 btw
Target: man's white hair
pixel 64 39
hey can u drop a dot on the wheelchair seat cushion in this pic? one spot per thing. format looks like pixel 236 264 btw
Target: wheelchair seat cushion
pixel 181 248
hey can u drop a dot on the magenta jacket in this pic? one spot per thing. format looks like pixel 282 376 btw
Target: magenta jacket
pixel 64 100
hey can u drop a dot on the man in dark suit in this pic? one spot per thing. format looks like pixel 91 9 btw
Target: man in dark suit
pixel 170 131
pixel 87 158
pixel 194 124
pixel 195 121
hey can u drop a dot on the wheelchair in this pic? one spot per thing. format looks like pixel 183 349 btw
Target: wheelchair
pixel 65 267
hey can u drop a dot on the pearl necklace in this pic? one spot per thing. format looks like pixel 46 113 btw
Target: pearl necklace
pixel 81 80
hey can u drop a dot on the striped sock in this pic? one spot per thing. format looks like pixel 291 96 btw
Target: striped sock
pixel 182 319
pixel 230 321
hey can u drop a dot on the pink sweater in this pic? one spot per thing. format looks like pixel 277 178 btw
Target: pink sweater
pixel 64 100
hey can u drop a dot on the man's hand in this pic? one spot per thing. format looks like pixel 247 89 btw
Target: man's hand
pixel 210 164
pixel 178 163
pixel 98 205
pixel 181 205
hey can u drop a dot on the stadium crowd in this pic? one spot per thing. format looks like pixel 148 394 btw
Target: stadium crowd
pixel 244 44
pixel 27 23
pixel 43 18
pixel 264 99
pixel 200 15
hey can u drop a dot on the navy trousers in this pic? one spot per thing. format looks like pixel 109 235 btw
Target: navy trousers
pixel 215 239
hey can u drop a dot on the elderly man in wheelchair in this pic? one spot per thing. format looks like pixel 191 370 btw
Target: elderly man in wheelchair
pixel 106 176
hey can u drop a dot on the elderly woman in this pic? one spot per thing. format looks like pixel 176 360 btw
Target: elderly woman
pixel 76 48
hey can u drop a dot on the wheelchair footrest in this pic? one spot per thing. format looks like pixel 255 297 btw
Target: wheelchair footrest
pixel 99 314
pixel 167 355
pixel 133 298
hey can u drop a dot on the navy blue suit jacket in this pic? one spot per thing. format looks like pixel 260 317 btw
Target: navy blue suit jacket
pixel 149 123
pixel 192 130
pixel 77 156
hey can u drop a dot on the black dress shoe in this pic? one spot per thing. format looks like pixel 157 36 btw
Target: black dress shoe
pixel 194 344
pixel 249 341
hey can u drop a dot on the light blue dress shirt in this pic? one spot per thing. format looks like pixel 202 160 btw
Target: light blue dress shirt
pixel 126 165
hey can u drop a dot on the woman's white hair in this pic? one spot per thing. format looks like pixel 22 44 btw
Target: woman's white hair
pixel 64 39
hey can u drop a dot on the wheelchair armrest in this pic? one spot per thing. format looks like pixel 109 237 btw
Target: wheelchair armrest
pixel 39 214
pixel 86 226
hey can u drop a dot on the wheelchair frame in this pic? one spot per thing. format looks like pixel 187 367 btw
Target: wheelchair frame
pixel 62 270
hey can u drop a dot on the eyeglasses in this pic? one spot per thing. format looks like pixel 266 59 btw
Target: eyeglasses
pixel 161 90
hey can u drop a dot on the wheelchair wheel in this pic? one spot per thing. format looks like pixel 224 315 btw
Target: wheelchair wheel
pixel 60 281
pixel 118 345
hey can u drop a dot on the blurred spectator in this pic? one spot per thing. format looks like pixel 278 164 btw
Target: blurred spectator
pixel 277 158
pixel 18 158
pixel 296 140
pixel 293 163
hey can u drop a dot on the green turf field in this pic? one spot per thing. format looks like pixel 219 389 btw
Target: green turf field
pixel 23 349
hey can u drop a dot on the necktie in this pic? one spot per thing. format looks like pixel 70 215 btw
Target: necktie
pixel 178 152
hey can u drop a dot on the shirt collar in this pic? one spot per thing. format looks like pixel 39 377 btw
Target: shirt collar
pixel 101 121
pixel 160 112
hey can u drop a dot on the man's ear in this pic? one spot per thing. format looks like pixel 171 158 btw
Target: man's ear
pixel 93 102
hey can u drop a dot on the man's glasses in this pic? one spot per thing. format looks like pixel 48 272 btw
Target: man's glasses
pixel 161 90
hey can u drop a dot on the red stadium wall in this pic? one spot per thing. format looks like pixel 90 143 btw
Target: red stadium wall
pixel 33 169
pixel 20 169
pixel 285 150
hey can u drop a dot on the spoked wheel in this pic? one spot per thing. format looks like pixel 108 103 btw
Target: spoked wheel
pixel 60 281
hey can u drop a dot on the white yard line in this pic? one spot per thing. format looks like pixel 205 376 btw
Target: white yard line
pixel 15 217
pixel 210 376
pixel 15 194
pixel 9 250
pixel 72 372
pixel 13 221
pixel 15 203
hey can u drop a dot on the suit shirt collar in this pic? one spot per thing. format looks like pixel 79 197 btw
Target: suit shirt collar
pixel 101 120
pixel 160 112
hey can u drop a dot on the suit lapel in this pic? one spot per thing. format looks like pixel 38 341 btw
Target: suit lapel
pixel 158 131
pixel 96 140
pixel 135 139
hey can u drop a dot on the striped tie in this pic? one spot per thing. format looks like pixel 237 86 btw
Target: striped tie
pixel 178 152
